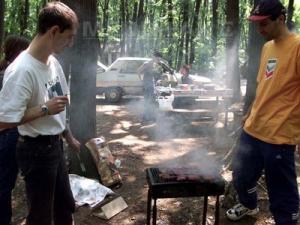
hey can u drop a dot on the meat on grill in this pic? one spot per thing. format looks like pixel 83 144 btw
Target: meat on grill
pixel 185 174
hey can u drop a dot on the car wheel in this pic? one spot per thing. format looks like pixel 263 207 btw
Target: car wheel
pixel 113 95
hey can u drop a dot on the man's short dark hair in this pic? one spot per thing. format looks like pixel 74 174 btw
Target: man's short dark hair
pixel 56 14
pixel 156 53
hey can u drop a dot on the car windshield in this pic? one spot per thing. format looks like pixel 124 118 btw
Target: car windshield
pixel 166 68
pixel 131 66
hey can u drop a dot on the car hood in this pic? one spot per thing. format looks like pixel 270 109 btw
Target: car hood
pixel 102 66
pixel 200 79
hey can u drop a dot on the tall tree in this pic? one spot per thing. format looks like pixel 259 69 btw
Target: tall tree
pixel 232 46
pixel 161 33
pixel 24 14
pixel 122 27
pixel 134 29
pixel 105 10
pixel 290 13
pixel 214 28
pixel 2 9
pixel 82 111
pixel 194 29
pixel 184 31
pixel 83 71
pixel 140 23
pixel 187 31
pixel 127 19
pixel 255 44
pixel 170 31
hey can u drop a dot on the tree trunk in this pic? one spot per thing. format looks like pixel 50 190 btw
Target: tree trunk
pixel 83 68
pixel 103 50
pixel 170 31
pixel 194 29
pixel 123 27
pixel 214 28
pixel 24 14
pixel 127 16
pixel 151 17
pixel 232 47
pixel 255 44
pixel 140 24
pixel 2 10
pixel 290 14
pixel 134 29
pixel 44 2
pixel 83 71
pixel 162 32
pixel 184 33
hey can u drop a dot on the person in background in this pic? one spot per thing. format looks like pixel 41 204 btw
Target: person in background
pixel 13 46
pixel 34 98
pixel 272 128
pixel 185 71
pixel 149 78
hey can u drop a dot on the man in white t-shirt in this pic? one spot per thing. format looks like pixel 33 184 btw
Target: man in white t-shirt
pixel 34 98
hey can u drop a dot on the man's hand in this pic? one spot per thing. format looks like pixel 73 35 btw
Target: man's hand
pixel 74 143
pixel 71 140
pixel 297 141
pixel 57 104
pixel 243 120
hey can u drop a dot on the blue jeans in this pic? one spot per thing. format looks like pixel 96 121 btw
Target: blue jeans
pixel 278 162
pixel 46 178
pixel 149 104
pixel 8 172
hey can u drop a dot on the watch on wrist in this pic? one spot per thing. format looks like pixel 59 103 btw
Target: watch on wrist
pixel 45 109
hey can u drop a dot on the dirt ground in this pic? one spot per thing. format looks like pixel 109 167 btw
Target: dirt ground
pixel 177 139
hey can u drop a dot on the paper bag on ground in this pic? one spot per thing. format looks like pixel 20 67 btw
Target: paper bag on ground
pixel 111 208
pixel 104 161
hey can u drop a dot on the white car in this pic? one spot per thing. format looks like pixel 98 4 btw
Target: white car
pixel 121 78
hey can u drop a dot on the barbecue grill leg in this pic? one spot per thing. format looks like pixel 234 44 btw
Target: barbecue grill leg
pixel 204 211
pixel 217 210
pixel 149 201
pixel 154 213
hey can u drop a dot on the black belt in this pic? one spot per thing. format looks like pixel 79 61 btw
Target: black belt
pixel 8 130
pixel 3 131
pixel 40 138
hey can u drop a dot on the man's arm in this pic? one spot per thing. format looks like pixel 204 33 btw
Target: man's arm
pixel 70 139
pixel 143 67
pixel 245 117
pixel 140 71
pixel 55 106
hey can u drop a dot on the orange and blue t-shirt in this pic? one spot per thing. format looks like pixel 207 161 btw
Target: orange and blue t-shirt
pixel 275 113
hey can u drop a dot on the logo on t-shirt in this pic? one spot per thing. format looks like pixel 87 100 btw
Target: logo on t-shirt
pixel 54 88
pixel 270 68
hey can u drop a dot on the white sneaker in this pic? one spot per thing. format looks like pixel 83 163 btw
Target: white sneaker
pixel 239 211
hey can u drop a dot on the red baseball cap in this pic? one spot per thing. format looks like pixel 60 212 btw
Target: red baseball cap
pixel 267 9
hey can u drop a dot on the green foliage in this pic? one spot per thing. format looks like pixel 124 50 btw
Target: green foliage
pixel 154 33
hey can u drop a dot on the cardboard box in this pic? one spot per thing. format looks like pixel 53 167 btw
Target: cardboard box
pixel 111 208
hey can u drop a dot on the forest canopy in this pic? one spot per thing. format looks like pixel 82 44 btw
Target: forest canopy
pixel 185 31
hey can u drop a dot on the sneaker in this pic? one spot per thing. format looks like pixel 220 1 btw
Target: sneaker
pixel 239 211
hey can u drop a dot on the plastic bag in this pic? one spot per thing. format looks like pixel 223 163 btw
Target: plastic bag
pixel 87 191
pixel 165 102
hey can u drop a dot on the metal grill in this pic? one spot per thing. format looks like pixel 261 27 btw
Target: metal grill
pixel 165 188
pixel 162 188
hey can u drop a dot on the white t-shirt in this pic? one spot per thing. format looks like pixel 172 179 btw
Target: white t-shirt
pixel 27 83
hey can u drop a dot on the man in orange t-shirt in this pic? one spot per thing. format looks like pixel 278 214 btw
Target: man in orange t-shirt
pixel 272 127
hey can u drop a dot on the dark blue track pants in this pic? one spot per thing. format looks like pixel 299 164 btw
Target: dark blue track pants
pixel 8 172
pixel 251 158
